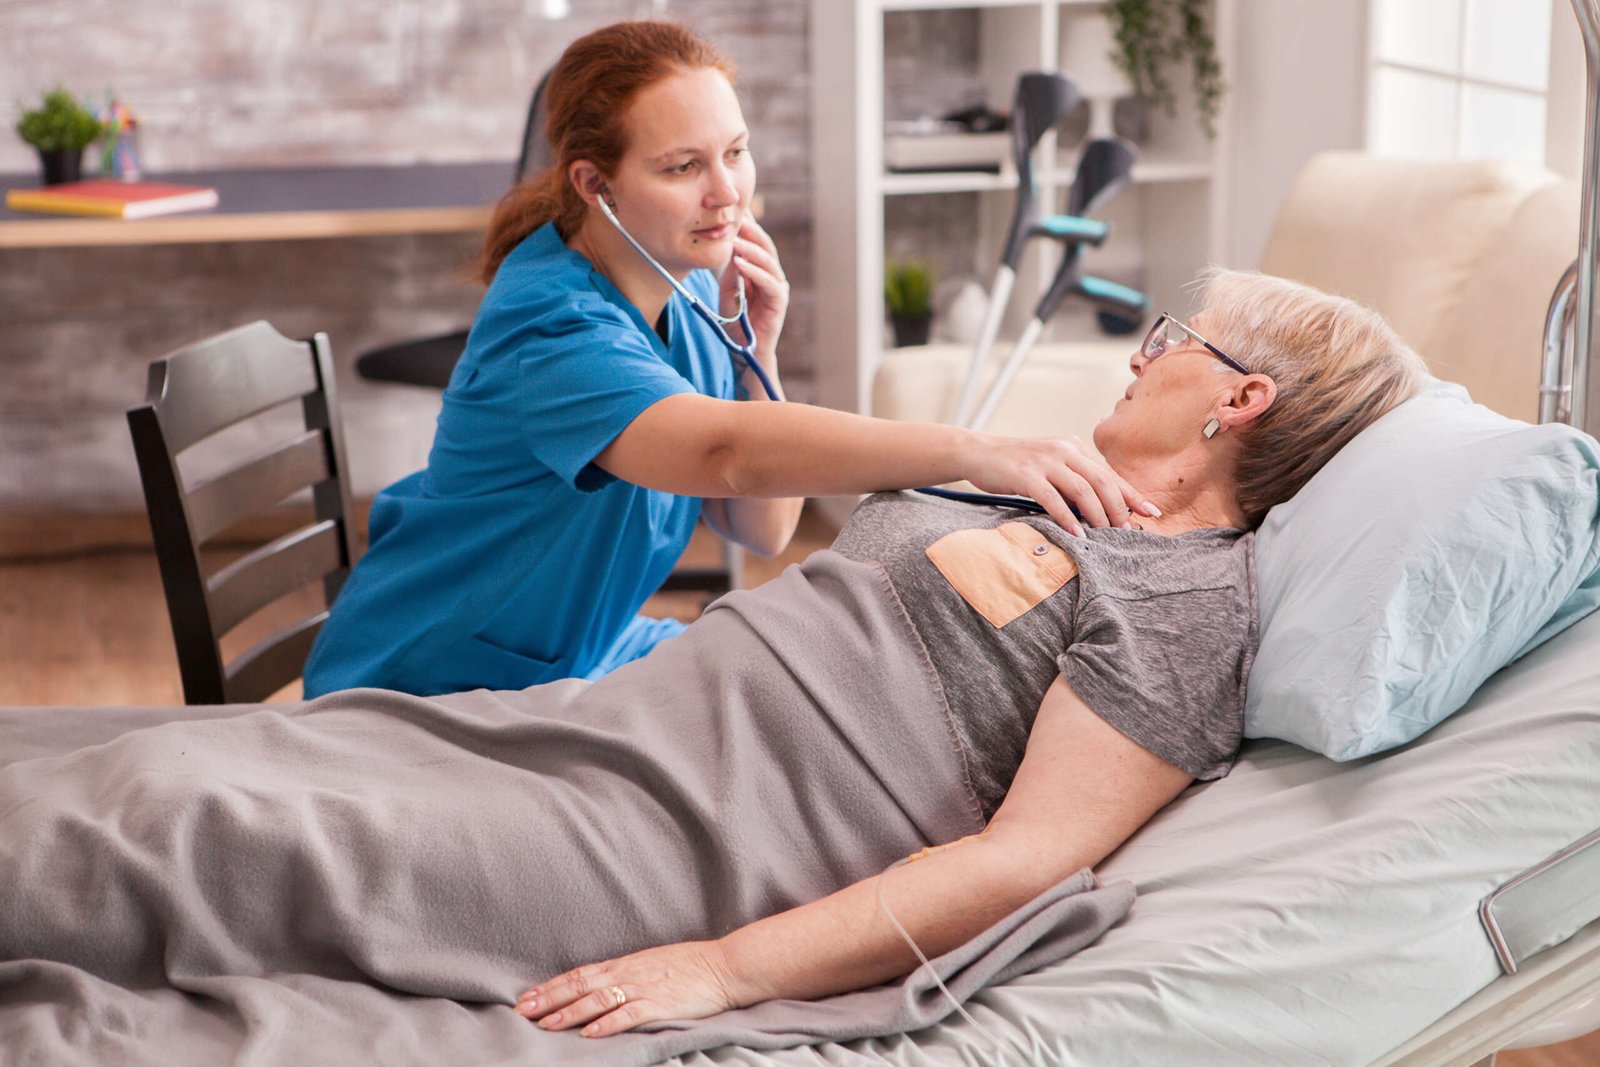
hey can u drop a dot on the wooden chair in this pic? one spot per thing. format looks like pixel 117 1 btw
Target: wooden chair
pixel 194 394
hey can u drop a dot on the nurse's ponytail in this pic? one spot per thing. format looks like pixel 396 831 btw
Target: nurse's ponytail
pixel 588 92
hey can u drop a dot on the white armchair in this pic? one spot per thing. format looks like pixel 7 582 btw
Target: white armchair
pixel 1460 257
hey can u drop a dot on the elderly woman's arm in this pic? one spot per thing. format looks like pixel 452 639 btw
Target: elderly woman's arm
pixel 1081 790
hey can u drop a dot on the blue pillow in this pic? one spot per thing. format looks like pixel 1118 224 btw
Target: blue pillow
pixel 1442 543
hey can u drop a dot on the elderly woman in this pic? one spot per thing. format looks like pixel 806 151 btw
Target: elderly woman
pixel 972 684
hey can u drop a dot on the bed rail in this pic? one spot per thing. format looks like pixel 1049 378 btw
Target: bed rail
pixel 1555 381
pixel 1545 904
pixel 1584 387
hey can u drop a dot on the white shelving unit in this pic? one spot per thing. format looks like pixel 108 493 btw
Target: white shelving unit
pixel 1164 229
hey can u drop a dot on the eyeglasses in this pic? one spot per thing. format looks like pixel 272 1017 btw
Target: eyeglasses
pixel 1159 340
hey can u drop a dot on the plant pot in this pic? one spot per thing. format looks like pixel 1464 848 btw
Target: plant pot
pixel 1130 118
pixel 910 329
pixel 61 165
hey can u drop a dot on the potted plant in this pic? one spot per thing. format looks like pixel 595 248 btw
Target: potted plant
pixel 60 129
pixel 1153 34
pixel 908 290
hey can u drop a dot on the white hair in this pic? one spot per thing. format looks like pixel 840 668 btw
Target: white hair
pixel 1338 367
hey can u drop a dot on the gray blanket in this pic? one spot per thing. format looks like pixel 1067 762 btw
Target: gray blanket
pixel 372 876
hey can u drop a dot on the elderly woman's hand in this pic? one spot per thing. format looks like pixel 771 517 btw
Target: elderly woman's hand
pixel 755 259
pixel 688 980
pixel 1057 472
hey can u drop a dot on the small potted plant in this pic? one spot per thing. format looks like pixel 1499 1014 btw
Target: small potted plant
pixel 60 129
pixel 1150 36
pixel 908 290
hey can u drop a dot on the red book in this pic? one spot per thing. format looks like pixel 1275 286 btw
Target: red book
pixel 111 198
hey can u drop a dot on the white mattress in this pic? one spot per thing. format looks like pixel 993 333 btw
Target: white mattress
pixel 1302 911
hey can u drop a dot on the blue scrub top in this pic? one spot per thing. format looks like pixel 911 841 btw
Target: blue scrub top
pixel 512 559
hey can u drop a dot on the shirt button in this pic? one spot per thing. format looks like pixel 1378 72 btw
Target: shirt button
pixel 1039 550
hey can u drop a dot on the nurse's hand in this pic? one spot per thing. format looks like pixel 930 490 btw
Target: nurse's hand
pixel 683 981
pixel 755 259
pixel 1055 472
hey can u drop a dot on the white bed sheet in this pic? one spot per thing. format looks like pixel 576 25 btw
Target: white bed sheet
pixel 1301 911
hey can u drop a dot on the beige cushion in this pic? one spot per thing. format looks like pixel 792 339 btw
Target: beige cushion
pixel 1062 389
pixel 1399 236
pixel 1493 344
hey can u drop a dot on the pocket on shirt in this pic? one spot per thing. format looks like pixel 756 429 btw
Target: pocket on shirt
pixel 477 663
pixel 1004 572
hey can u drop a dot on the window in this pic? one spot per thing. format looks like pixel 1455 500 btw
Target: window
pixel 1459 79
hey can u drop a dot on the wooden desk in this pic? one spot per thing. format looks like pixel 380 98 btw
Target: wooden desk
pixel 285 204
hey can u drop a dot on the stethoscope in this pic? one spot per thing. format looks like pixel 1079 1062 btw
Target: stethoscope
pixel 741 353
pixel 745 354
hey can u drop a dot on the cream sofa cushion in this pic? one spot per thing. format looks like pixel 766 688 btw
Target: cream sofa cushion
pixel 1494 342
pixel 1399 236
pixel 1062 389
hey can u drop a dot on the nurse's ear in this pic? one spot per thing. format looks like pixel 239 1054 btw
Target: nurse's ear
pixel 588 181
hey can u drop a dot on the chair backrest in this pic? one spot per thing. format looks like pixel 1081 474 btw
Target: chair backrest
pixel 193 394
pixel 536 154
pixel 1493 342
pixel 1400 236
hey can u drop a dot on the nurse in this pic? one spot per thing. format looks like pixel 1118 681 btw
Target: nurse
pixel 592 419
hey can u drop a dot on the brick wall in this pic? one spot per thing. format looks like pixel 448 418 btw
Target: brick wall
pixel 221 83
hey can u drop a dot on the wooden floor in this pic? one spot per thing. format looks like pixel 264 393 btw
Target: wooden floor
pixel 82 621
pixel 85 623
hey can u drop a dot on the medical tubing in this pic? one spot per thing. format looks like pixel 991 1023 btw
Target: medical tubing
pixel 883 903
pixel 1020 503
pixel 745 353
pixel 718 323
pixel 723 320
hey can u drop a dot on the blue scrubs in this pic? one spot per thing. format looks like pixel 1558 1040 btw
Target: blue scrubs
pixel 512 559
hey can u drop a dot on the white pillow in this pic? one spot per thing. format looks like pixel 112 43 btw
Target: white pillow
pixel 1443 542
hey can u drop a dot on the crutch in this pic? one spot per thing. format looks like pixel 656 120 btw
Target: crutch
pixel 1041 100
pixel 1105 169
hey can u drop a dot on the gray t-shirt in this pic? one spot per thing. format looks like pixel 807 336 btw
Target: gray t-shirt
pixel 1154 633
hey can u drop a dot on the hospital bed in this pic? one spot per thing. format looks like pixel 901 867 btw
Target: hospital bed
pixel 1307 912
pixel 1302 911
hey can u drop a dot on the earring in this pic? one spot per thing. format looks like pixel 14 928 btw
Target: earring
pixel 1211 427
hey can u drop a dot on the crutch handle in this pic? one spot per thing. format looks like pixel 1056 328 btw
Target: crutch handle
pixel 1113 297
pixel 1072 229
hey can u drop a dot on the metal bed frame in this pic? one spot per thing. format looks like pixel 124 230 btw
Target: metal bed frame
pixel 1550 990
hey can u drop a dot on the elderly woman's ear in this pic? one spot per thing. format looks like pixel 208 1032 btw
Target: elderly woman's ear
pixel 1244 402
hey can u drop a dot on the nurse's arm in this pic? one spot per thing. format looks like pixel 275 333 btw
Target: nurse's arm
pixel 1082 789
pixel 696 445
pixel 764 525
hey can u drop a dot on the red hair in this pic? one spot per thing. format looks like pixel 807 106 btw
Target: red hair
pixel 588 92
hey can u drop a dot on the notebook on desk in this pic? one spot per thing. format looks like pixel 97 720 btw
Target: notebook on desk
pixel 113 199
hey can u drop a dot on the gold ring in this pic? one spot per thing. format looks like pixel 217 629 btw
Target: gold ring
pixel 618 995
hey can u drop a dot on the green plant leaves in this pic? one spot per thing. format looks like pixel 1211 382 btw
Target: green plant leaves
pixel 60 123
pixel 908 287
pixel 1152 35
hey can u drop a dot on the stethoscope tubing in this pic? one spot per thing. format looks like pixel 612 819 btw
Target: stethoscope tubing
pixel 993 500
pixel 746 354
